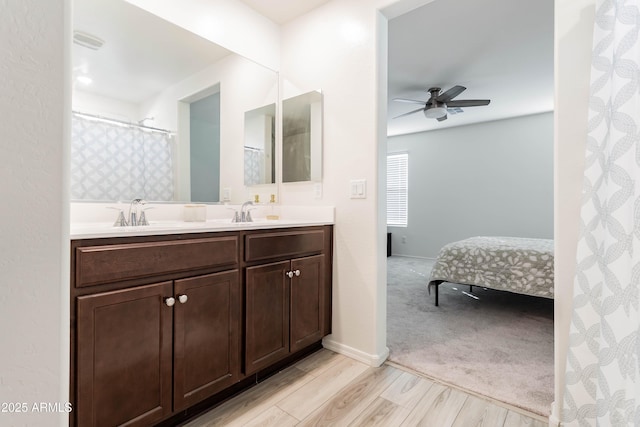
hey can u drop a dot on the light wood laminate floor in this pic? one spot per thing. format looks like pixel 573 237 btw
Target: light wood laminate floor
pixel 328 389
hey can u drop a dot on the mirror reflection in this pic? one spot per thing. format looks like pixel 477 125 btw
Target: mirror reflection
pixel 259 146
pixel 302 138
pixel 170 105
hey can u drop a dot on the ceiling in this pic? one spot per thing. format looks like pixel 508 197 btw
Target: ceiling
pixel 281 11
pixel 498 49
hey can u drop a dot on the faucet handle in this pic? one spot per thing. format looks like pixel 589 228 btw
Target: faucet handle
pixel 142 220
pixel 236 216
pixel 121 221
pixel 248 216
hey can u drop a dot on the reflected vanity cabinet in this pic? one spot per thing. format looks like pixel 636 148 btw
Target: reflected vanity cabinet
pixel 162 323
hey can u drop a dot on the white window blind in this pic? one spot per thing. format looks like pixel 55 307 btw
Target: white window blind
pixel 397 189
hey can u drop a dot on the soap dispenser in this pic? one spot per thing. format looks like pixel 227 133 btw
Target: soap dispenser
pixel 272 216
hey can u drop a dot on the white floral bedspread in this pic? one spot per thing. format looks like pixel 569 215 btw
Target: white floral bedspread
pixel 514 264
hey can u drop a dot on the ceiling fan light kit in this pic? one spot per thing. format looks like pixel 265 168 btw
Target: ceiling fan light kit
pixel 439 104
pixel 435 112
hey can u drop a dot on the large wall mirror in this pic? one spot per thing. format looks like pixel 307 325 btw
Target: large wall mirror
pixel 302 138
pixel 159 112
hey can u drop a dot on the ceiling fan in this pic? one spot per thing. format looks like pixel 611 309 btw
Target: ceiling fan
pixel 439 104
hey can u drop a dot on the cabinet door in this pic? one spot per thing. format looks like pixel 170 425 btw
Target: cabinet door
pixel 267 315
pixel 124 356
pixel 307 301
pixel 206 336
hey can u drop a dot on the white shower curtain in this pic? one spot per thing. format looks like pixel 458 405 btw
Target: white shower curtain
pixel 602 374
pixel 117 162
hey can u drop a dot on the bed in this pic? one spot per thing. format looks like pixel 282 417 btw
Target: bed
pixel 514 264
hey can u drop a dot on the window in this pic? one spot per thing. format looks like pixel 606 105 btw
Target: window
pixel 397 189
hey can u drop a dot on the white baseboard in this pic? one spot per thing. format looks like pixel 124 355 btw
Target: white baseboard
pixel 374 360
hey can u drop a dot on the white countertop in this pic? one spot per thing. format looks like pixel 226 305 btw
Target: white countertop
pixel 95 230
pixel 95 220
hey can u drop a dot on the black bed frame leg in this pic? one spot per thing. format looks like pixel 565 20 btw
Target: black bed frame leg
pixel 435 284
pixel 471 288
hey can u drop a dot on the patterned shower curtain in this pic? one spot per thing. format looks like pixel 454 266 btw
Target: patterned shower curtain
pixel 602 374
pixel 117 162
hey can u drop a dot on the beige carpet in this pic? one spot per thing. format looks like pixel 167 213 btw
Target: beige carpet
pixel 499 345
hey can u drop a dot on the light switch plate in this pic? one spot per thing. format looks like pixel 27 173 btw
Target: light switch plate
pixel 358 188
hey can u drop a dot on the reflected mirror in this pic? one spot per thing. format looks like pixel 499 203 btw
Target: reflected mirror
pixel 158 110
pixel 260 145
pixel 302 138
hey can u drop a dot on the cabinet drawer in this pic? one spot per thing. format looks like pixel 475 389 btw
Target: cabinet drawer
pixel 284 244
pixel 109 263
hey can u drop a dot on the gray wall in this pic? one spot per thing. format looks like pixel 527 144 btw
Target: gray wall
pixel 493 178
pixel 205 149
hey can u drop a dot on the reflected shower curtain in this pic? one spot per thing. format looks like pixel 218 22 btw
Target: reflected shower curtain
pixel 118 162
pixel 254 166
pixel 602 373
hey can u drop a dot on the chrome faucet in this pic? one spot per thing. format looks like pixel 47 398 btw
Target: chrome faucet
pixel 245 215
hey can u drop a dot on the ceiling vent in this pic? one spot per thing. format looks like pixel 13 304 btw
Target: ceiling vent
pixel 87 40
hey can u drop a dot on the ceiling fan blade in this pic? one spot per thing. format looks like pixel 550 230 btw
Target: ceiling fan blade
pixel 411 101
pixel 410 112
pixel 450 94
pixel 442 118
pixel 468 103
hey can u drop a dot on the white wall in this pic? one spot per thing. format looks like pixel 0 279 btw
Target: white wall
pixel 493 178
pixel 34 310
pixel 90 103
pixel 229 23
pixel 334 48
pixel 573 40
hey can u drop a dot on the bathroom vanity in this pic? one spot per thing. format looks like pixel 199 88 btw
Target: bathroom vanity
pixel 169 322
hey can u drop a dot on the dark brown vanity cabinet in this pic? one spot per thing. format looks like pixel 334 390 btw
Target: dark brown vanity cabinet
pixel 162 323
pixel 145 351
pixel 206 337
pixel 286 301
pixel 124 356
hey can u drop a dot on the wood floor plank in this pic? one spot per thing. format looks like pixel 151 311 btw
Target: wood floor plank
pixel 514 419
pixel 318 362
pixel 352 400
pixel 480 413
pixel 407 390
pixel 381 412
pixel 272 417
pixel 327 388
pixel 438 407
pixel 254 401
pixel 316 392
